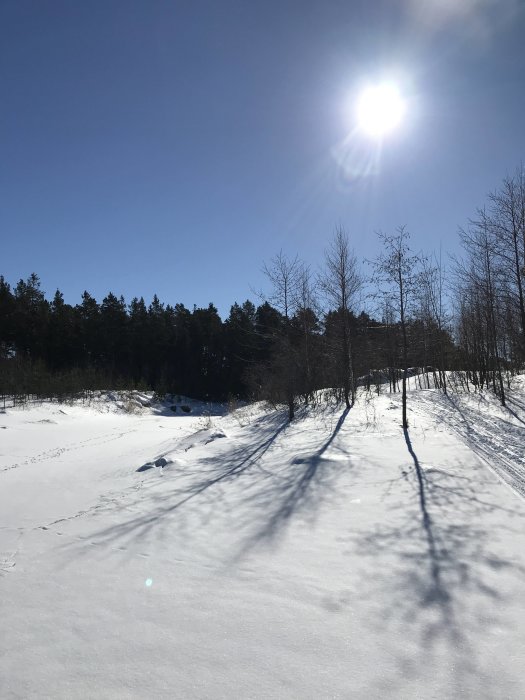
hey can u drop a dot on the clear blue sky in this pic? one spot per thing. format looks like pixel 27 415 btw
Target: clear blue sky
pixel 171 147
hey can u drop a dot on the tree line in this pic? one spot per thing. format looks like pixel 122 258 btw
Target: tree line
pixel 311 332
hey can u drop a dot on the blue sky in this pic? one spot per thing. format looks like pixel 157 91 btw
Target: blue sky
pixel 150 146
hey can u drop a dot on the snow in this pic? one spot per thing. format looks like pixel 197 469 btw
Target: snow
pixel 260 559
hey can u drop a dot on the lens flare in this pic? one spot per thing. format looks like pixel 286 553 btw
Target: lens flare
pixel 380 109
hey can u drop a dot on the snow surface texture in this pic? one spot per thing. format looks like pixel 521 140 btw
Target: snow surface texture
pixel 332 558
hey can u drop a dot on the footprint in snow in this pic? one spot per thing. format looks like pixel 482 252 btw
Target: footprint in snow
pixel 7 563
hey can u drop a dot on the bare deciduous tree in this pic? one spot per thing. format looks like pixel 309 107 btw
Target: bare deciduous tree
pixel 396 271
pixel 284 275
pixel 432 301
pixel 505 219
pixel 482 283
pixel 340 282
pixel 306 319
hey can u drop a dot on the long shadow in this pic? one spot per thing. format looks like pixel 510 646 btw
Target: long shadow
pixel 446 561
pixel 336 430
pixel 509 468
pixel 512 412
pixel 438 591
pixel 515 401
pixel 296 490
pixel 141 524
pixel 271 497
pixel 465 420
pixel 444 555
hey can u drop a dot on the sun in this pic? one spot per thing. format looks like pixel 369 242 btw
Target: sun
pixel 380 109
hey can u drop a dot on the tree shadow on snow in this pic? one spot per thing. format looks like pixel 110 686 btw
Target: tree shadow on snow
pixel 264 504
pixel 301 488
pixel 498 441
pixel 155 509
pixel 437 591
pixel 442 559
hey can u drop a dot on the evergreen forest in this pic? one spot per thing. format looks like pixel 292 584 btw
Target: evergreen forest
pixel 345 324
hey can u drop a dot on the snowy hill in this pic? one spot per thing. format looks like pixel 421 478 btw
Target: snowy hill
pixel 329 558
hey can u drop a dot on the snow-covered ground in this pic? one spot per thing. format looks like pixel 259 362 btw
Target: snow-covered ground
pixel 330 558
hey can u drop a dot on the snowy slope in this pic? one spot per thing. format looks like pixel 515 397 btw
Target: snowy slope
pixel 325 559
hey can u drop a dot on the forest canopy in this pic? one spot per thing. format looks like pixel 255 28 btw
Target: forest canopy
pixel 314 330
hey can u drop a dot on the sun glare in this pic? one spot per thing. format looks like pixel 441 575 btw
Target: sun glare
pixel 380 109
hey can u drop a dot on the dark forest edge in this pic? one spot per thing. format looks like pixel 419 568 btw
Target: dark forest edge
pixel 309 333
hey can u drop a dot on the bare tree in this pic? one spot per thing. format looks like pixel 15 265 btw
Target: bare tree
pixel 306 320
pixel 432 301
pixel 396 271
pixel 340 282
pixel 482 282
pixel 284 275
pixel 506 220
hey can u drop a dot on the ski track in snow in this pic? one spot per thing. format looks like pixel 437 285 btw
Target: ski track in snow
pixel 55 452
pixel 499 442
pixel 277 562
